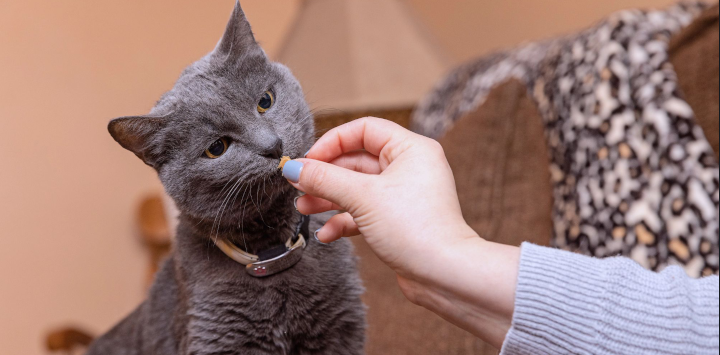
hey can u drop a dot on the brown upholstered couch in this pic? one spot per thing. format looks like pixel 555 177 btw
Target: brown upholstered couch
pixel 499 156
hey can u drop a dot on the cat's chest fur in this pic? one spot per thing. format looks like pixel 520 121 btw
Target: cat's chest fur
pixel 224 316
pixel 302 310
pixel 205 303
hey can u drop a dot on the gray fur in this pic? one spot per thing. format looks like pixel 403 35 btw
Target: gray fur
pixel 203 302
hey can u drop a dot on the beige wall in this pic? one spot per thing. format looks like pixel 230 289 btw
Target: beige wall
pixel 468 28
pixel 68 249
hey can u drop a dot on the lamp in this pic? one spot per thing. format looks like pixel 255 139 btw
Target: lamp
pixel 360 57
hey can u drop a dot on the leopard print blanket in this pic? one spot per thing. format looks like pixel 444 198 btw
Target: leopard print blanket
pixel 632 172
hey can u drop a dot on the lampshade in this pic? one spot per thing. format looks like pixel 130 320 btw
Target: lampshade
pixel 356 56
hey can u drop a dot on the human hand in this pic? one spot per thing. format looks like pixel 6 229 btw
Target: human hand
pixel 396 186
pixel 399 193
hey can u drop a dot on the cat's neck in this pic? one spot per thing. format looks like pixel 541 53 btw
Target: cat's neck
pixel 261 227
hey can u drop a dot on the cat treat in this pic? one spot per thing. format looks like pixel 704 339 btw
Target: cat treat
pixel 283 161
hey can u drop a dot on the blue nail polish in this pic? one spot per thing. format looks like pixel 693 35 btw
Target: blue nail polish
pixel 306 153
pixel 318 239
pixel 295 203
pixel 292 169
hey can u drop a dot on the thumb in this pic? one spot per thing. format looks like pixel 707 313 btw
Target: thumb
pixel 331 182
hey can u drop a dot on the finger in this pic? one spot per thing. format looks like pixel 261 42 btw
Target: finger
pixel 360 161
pixel 338 185
pixel 308 205
pixel 338 226
pixel 377 136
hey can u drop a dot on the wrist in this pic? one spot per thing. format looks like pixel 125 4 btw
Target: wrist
pixel 433 260
pixel 471 283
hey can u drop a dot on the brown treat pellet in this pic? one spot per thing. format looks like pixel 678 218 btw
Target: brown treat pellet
pixel 283 160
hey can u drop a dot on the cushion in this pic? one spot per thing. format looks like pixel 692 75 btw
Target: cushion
pixel 500 161
pixel 695 54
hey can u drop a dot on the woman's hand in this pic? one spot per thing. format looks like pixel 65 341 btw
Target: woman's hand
pixel 399 193
pixel 396 186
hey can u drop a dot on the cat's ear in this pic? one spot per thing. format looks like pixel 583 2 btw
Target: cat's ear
pixel 138 134
pixel 238 40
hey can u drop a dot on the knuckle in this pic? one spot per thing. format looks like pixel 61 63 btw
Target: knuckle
pixel 435 146
pixel 327 205
pixel 435 149
pixel 343 229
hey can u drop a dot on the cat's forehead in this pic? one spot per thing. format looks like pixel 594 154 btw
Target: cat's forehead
pixel 211 81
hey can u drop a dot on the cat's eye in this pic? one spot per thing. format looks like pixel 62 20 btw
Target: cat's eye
pixel 266 102
pixel 217 148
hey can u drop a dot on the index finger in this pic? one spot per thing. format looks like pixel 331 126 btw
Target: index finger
pixel 375 135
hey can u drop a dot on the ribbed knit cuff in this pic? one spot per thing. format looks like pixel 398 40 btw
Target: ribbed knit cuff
pixel 555 303
pixel 567 303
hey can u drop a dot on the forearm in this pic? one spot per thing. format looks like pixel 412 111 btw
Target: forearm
pixel 472 285
pixel 551 301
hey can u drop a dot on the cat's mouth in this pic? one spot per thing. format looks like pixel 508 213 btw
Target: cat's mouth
pixel 274 168
pixel 267 171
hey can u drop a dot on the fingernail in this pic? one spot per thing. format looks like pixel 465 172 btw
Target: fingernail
pixel 295 204
pixel 292 169
pixel 318 239
pixel 306 153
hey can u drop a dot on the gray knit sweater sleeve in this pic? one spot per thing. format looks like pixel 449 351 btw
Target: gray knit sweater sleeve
pixel 571 304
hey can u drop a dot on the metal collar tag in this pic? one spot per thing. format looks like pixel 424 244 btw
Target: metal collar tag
pixel 264 265
pixel 279 263
pixel 269 267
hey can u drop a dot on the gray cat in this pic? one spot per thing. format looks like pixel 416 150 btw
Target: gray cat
pixel 216 140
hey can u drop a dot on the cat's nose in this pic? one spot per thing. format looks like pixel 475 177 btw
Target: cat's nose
pixel 274 149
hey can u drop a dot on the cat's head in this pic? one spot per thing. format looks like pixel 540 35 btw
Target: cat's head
pixel 225 124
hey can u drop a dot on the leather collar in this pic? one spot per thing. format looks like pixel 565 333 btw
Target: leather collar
pixel 274 260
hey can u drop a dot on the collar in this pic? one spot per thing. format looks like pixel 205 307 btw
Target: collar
pixel 274 260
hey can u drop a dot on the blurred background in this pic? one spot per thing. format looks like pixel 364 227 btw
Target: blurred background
pixel 70 251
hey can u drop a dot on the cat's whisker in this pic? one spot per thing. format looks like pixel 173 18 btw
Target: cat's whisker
pixel 264 190
pixel 268 196
pixel 257 207
pixel 227 196
pixel 226 184
pixel 218 216
pixel 258 192
pixel 305 118
pixel 242 188
pixel 242 221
